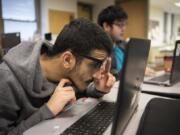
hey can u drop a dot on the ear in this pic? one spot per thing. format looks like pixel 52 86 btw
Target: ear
pixel 68 60
pixel 106 27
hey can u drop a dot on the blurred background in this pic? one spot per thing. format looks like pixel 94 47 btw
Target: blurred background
pixel 29 20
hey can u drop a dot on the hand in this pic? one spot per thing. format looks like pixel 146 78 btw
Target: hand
pixel 61 96
pixel 149 72
pixel 103 79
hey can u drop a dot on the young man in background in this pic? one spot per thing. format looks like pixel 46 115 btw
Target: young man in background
pixel 113 20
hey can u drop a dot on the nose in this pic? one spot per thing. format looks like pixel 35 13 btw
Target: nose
pixel 124 28
pixel 97 75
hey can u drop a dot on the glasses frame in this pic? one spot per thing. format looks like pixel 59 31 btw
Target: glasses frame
pixel 120 24
pixel 99 62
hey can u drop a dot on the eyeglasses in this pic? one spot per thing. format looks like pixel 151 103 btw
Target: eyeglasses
pixel 120 24
pixel 98 63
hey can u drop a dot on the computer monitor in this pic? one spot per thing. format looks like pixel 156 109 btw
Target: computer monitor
pixel 10 40
pixel 48 36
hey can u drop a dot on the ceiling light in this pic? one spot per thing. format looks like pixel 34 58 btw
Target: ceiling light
pixel 177 4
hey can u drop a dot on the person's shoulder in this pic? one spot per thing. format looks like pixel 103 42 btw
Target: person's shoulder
pixel 3 68
pixel 6 74
pixel 9 85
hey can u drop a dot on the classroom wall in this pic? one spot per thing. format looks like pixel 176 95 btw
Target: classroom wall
pixel 69 5
pixel 65 5
pixel 157 14
pixel 137 11
pixel 177 26
pixel 100 4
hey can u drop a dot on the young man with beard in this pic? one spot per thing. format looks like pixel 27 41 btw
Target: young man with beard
pixel 34 75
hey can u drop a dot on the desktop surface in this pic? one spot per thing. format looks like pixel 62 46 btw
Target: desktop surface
pixel 161 89
pixel 71 115
pixel 68 117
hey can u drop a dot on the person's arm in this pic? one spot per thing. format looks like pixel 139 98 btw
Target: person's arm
pixel 9 111
pixel 7 128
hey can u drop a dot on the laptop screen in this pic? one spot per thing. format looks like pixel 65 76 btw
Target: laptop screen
pixel 175 71
pixel 136 55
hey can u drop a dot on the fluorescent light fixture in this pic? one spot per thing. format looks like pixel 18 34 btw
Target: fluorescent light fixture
pixel 177 4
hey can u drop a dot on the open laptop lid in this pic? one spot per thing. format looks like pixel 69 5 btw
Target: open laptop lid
pixel 136 55
pixel 175 70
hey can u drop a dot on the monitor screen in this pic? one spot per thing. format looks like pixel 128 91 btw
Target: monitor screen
pixel 10 40
pixel 48 36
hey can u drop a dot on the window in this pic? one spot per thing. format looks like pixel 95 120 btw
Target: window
pixel 19 16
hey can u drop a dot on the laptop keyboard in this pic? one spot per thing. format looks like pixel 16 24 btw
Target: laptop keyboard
pixel 162 78
pixel 95 122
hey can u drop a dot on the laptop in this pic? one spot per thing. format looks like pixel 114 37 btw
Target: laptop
pixel 117 114
pixel 174 76
pixel 160 117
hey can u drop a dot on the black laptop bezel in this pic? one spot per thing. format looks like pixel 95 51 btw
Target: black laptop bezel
pixel 120 106
pixel 173 78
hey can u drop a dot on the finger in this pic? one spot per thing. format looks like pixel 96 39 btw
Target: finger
pixel 68 88
pixel 69 94
pixel 73 100
pixel 73 97
pixel 103 66
pixel 108 65
pixel 111 80
pixel 63 82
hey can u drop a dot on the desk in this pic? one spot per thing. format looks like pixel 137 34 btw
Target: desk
pixel 67 117
pixel 175 89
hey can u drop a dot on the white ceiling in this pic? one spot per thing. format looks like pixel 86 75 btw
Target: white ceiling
pixel 167 5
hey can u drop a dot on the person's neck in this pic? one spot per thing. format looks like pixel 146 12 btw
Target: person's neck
pixel 114 43
pixel 49 68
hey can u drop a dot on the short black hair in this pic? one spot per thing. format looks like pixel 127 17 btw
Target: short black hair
pixel 81 36
pixel 110 14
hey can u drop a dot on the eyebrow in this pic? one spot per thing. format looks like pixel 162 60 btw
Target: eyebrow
pixel 94 59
